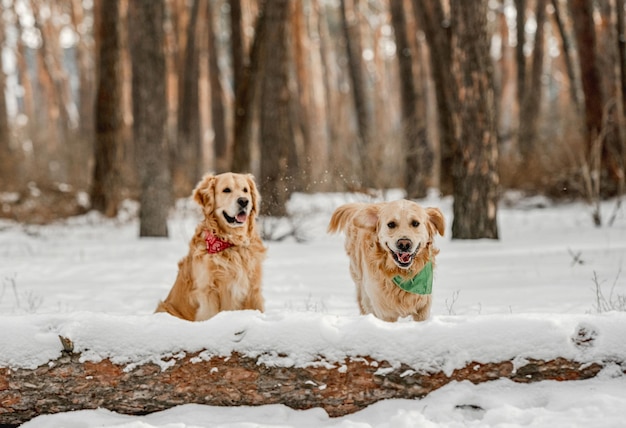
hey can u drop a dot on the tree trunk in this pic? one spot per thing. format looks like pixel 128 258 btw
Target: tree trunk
pixel 436 26
pixel 520 21
pixel 150 114
pixel 8 158
pixel 246 87
pixel 352 37
pixel 419 156
pixel 86 77
pixel 602 107
pixel 531 96
pixel 218 116
pixel 188 148
pixel 275 127
pixel 621 48
pixel 476 154
pixel 106 186
pixel 311 102
pixel 567 53
pixel 67 384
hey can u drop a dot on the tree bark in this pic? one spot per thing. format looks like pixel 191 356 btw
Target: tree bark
pixel 419 156
pixel 602 104
pixel 354 51
pixel 567 54
pixel 531 94
pixel 218 116
pixel 246 87
pixel 476 154
pixel 106 186
pixel 8 162
pixel 436 26
pixel 276 134
pixel 67 384
pixel 150 114
pixel 188 148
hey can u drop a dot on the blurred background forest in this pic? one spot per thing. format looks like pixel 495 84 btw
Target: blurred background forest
pixel 106 100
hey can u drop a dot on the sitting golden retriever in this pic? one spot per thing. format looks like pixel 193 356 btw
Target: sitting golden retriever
pixel 390 246
pixel 222 270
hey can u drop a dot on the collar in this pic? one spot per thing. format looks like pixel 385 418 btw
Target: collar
pixel 214 244
pixel 421 283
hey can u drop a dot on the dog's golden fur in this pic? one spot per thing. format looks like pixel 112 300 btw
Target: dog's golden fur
pixel 384 240
pixel 208 283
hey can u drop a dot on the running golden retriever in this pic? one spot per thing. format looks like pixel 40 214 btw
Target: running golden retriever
pixel 392 256
pixel 222 270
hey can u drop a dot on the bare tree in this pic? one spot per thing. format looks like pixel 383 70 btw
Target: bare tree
pixel 603 118
pixel 476 154
pixel 246 84
pixel 218 114
pixel 150 114
pixel 106 185
pixel 275 128
pixel 419 156
pixel 568 54
pixel 8 165
pixel 530 92
pixel 188 149
pixel 352 37
pixel 432 19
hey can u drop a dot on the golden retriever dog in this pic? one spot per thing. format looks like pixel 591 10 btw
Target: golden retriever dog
pixel 222 271
pixel 392 256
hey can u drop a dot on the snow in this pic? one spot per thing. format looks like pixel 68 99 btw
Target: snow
pixel 527 295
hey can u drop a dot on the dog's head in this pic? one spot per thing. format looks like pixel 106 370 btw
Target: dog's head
pixel 403 228
pixel 232 199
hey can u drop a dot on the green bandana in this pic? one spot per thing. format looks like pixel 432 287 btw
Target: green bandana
pixel 422 283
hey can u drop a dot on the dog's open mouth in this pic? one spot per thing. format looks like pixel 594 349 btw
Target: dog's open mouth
pixel 403 259
pixel 240 218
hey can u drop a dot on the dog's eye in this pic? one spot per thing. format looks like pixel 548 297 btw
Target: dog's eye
pixel 391 225
pixel 245 190
pixel 226 190
pixel 415 223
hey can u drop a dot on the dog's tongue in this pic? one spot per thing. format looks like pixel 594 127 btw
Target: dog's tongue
pixel 404 257
pixel 241 217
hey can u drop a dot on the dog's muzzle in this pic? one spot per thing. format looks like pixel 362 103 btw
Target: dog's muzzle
pixel 402 255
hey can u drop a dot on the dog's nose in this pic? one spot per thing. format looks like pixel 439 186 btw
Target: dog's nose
pixel 243 202
pixel 403 244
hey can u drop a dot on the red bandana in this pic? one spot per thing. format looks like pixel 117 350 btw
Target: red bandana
pixel 214 244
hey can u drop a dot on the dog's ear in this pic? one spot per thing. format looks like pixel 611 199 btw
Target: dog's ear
pixel 254 194
pixel 204 193
pixel 436 220
pixel 367 218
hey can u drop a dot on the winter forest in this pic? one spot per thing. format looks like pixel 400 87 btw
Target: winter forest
pixel 506 118
pixel 105 101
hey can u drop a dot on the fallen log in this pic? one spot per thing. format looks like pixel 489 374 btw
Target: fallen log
pixel 142 364
pixel 67 384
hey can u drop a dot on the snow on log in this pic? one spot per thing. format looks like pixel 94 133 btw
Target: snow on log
pixel 143 364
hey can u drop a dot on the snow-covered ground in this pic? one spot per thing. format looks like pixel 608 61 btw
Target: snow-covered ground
pixel 96 282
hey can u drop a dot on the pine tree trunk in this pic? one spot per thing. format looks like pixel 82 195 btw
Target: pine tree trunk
pixel 188 148
pixel 246 87
pixel 602 107
pixel 106 186
pixel 530 98
pixel 218 116
pixel 419 156
pixel 150 114
pixel 476 154
pixel 8 159
pixel 276 135
pixel 436 26
pixel 354 50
